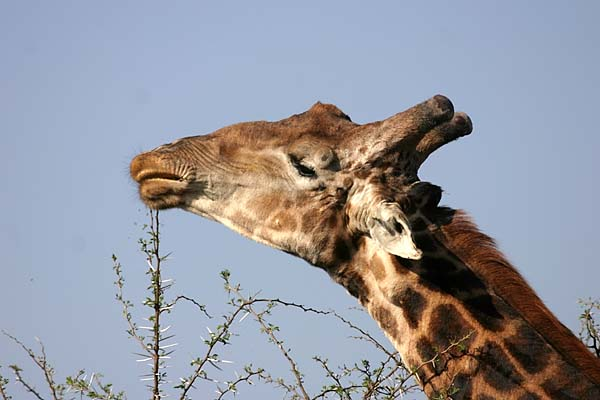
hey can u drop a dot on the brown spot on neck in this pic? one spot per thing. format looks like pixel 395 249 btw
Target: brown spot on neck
pixel 386 320
pixel 378 268
pixel 497 369
pixel 412 303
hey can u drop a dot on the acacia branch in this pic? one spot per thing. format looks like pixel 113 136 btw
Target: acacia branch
pixel 48 372
pixel 454 344
pixel 232 386
pixel 269 330
pixel 364 335
pixel 126 306
pixel 157 290
pixel 222 336
pixel 201 307
pixel 342 391
pixel 3 383
pixel 40 361
pixel 590 330
pixel 19 378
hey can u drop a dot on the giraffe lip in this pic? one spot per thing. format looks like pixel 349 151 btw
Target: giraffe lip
pixel 144 176
pixel 162 190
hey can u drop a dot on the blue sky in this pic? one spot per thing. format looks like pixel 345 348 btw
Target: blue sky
pixel 85 86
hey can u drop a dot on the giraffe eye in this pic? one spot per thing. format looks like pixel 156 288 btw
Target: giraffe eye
pixel 302 169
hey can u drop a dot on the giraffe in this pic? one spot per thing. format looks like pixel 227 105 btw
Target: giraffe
pixel 347 198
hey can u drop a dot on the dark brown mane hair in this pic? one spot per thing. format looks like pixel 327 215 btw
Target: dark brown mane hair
pixel 479 252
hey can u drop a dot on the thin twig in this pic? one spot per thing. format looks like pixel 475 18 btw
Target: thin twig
pixel 22 381
pixel 364 334
pixel 379 378
pixel 41 362
pixel 339 387
pixel 270 332
pixel 231 386
pixel 433 360
pixel 589 332
pixel 201 307
pixel 3 393
pixel 214 340
pixel 47 372
pixel 3 382
pixel 126 305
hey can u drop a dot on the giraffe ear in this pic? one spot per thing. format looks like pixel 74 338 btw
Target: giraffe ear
pixel 389 227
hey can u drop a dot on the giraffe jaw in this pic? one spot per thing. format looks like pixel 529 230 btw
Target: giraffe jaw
pixel 209 209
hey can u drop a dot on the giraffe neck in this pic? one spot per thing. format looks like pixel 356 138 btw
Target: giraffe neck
pixel 464 306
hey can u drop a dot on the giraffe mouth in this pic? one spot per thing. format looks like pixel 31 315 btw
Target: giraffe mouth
pixel 143 176
pixel 159 186
pixel 162 190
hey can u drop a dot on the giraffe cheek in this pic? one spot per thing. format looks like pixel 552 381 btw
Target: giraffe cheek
pixel 282 221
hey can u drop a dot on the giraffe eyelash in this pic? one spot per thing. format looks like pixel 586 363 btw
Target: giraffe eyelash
pixel 302 169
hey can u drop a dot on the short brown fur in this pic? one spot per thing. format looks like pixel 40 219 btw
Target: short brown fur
pixel 479 252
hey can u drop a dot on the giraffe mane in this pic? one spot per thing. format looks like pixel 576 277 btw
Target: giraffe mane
pixel 480 253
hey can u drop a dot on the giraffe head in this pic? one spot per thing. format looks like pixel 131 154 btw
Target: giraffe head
pixel 311 184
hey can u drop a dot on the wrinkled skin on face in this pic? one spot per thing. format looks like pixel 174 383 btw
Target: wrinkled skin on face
pixel 312 184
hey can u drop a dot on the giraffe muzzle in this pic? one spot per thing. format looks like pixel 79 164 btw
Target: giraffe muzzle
pixel 161 185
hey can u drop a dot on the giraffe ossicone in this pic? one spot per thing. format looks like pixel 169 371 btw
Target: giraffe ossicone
pixel 347 198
